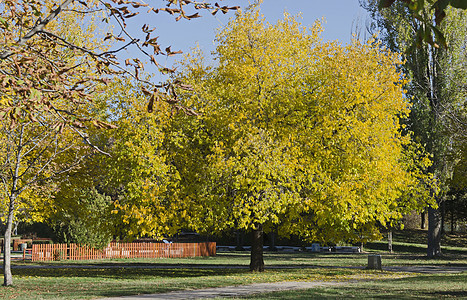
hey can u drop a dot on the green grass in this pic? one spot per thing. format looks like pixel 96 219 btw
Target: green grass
pixel 419 287
pixel 94 279
pixel 79 283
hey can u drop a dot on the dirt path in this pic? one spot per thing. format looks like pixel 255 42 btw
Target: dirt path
pixel 235 291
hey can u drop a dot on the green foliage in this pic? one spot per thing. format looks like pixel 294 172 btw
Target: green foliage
pixel 438 111
pixel 82 216
pixel 139 174
pixel 427 12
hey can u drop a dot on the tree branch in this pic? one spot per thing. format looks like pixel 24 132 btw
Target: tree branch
pixel 36 29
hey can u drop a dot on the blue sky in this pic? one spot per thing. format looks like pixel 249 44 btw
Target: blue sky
pixel 341 17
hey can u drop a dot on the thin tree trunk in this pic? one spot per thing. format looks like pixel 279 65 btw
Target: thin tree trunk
pixel 434 233
pixel 13 194
pixel 239 239
pixel 423 222
pixel 256 257
pixel 15 228
pixel 7 276
pixel 390 241
pixel 272 241
pixel 443 216
pixel 452 220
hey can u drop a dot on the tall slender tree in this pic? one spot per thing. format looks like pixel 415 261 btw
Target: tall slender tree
pixel 437 90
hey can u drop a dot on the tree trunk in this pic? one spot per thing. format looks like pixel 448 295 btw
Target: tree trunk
pixel 239 239
pixel 390 241
pixel 453 223
pixel 7 276
pixel 272 241
pixel 15 228
pixel 423 225
pixel 434 233
pixel 256 258
pixel 443 217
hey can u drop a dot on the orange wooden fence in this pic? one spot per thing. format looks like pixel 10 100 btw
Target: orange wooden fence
pixel 47 252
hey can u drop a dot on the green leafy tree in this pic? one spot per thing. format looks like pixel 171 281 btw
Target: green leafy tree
pixel 437 92
pixel 133 190
pixel 84 219
pixel 430 14
pixel 139 175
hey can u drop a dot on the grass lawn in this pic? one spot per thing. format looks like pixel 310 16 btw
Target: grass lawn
pixel 93 279
pixel 79 283
pixel 419 287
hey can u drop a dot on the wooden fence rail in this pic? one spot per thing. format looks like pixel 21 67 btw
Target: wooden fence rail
pixel 48 252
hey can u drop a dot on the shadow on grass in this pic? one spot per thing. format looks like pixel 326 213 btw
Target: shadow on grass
pixel 124 273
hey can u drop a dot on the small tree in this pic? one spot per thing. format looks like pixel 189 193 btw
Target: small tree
pixel 82 216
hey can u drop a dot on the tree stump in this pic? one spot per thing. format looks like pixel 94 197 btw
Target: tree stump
pixel 374 262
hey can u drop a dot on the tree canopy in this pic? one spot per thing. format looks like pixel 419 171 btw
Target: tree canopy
pixel 298 134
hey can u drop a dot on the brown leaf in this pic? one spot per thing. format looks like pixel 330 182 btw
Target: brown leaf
pixel 171 100
pixel 171 53
pixel 131 15
pixel 167 70
pixel 193 16
pixel 136 4
pixel 186 87
pixel 101 124
pixel 77 124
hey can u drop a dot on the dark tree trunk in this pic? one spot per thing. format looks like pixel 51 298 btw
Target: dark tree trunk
pixel 443 216
pixel 272 241
pixel 256 258
pixel 239 238
pixel 453 222
pixel 434 233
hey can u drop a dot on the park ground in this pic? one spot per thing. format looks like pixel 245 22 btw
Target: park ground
pixel 403 276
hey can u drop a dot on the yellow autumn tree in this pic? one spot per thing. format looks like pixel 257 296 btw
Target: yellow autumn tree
pixel 139 173
pixel 296 134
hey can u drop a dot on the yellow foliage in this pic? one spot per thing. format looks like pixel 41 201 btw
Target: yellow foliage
pixel 300 134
